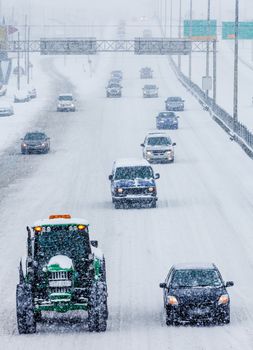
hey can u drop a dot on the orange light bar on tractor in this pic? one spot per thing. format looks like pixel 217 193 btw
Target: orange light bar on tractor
pixel 81 227
pixel 38 228
pixel 63 216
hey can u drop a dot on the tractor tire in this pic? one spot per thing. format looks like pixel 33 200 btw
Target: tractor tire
pixel 25 309
pixel 97 320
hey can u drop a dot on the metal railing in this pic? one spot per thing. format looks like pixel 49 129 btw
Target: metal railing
pixel 237 131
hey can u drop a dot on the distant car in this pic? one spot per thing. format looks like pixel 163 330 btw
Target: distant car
pixel 113 90
pixel 3 90
pixel 66 103
pixel 117 74
pixel 146 73
pixel 150 91
pixel 196 293
pixel 158 148
pixel 6 109
pixel 174 103
pixel 147 33
pixel 35 142
pixel 167 120
pixel 114 81
pixel 133 182
pixel 21 96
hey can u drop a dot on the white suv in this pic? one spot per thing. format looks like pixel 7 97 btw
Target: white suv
pixel 158 147
pixel 66 103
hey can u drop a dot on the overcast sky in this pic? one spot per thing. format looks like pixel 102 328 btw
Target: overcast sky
pixel 77 11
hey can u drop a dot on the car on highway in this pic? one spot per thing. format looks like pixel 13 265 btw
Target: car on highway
pixel 66 103
pixel 174 103
pixel 196 293
pixel 113 90
pixel 158 148
pixel 63 271
pixel 22 96
pixel 146 73
pixel 35 142
pixel 117 74
pixel 167 120
pixel 6 109
pixel 150 91
pixel 133 183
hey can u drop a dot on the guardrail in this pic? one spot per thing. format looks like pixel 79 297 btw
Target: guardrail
pixel 238 131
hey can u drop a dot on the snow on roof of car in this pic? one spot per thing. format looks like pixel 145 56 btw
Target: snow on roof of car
pixel 157 134
pixel 67 94
pixel 60 221
pixel 194 266
pixel 128 162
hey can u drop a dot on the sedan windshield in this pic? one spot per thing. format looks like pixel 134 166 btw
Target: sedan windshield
pixel 131 173
pixel 159 141
pixel 174 99
pixel 66 98
pixel 196 278
pixel 35 136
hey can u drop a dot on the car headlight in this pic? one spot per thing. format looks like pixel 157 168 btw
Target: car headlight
pixel 43 144
pixel 172 300
pixel 223 299
pixel 151 189
pixel 169 152
pixel 120 190
pixel 148 153
pixel 24 144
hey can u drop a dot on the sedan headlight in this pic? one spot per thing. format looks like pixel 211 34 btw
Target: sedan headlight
pixel 172 300
pixel 151 189
pixel 120 190
pixel 148 153
pixel 224 299
pixel 24 145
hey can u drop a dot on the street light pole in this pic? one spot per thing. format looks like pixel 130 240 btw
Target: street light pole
pixel 171 13
pixel 235 105
pixel 165 18
pixel 208 42
pixel 190 35
pixel 179 31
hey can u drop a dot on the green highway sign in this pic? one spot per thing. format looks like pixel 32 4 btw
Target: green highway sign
pixel 200 29
pixel 245 30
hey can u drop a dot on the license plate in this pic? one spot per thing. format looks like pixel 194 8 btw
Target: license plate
pixel 199 311
pixel 59 283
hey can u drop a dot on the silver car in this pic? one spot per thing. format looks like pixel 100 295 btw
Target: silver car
pixel 150 91
pixel 6 109
pixel 66 103
pixel 158 148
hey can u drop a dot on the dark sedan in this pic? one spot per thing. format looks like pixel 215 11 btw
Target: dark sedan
pixel 35 142
pixel 167 120
pixel 196 293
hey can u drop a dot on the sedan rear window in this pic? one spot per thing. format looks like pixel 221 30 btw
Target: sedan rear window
pixel 196 278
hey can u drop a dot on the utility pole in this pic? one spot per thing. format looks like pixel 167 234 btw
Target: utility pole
pixel 171 14
pixel 235 105
pixel 208 42
pixel 190 36
pixel 179 31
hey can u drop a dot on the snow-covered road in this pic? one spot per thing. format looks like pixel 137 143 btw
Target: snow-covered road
pixel 204 213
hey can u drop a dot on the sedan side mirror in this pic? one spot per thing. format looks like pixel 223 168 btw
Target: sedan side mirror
pixel 162 285
pixel 110 177
pixel 142 145
pixel 229 284
pixel 174 144
pixel 157 176
pixel 94 243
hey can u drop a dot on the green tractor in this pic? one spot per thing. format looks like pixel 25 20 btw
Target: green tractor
pixel 64 271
